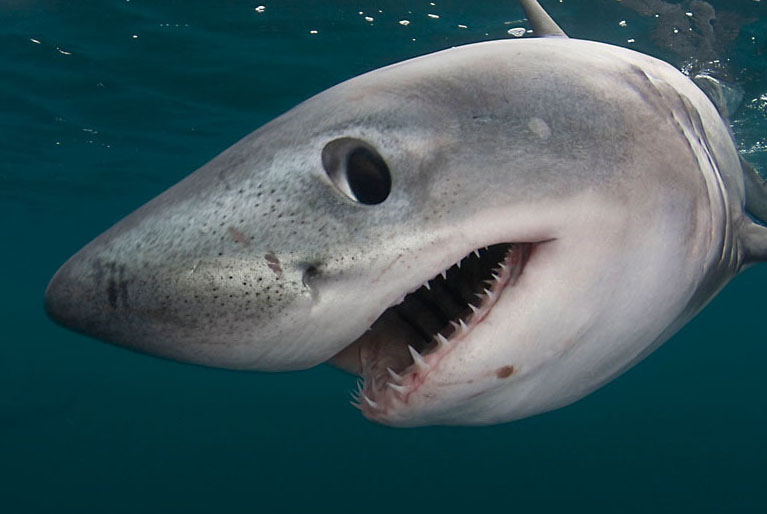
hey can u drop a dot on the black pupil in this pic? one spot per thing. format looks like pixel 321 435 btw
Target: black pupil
pixel 368 176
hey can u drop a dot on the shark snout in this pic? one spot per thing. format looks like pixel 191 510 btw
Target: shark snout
pixel 202 307
pixel 91 296
pixel 63 298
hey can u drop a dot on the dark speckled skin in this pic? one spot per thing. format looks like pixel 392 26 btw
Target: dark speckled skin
pixel 257 261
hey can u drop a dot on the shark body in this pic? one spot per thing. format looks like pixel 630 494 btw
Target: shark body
pixel 482 234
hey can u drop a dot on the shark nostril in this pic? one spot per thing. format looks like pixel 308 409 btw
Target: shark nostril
pixel 309 273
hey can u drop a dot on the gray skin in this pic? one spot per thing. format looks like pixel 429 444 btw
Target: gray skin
pixel 617 166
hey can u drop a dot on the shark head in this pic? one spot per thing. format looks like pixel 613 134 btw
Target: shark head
pixel 480 234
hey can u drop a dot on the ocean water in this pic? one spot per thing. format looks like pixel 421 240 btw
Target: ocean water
pixel 107 103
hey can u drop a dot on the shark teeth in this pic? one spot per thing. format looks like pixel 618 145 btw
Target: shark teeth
pixel 397 388
pixel 395 376
pixel 356 394
pixel 369 401
pixel 418 361
pixel 484 273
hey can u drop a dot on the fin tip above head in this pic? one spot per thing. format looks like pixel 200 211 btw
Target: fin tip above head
pixel 540 21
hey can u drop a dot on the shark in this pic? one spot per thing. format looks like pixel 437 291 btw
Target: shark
pixel 481 234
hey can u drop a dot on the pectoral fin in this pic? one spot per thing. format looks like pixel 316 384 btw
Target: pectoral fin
pixel 753 237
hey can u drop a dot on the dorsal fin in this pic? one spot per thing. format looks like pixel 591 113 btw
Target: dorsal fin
pixel 540 20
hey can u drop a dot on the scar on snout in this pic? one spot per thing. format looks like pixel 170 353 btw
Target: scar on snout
pixel 504 372
pixel 237 236
pixel 273 262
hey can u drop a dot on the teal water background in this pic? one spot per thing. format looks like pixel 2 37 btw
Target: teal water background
pixel 106 103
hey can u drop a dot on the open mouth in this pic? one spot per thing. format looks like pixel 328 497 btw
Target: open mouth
pixel 409 339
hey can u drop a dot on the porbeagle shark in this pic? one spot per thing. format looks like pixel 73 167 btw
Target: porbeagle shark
pixel 481 234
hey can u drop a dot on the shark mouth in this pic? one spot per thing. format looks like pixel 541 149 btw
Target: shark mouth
pixel 408 341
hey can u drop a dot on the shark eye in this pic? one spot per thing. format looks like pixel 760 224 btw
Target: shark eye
pixel 357 170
